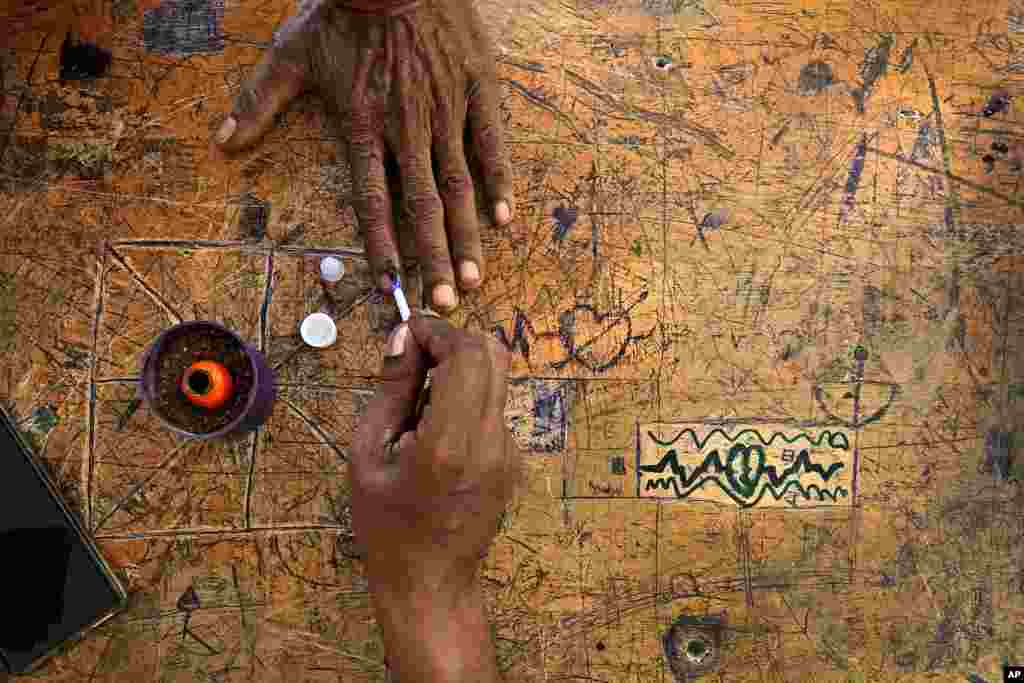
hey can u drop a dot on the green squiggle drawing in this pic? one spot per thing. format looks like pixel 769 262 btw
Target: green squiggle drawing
pixel 835 439
pixel 665 482
pixel 741 472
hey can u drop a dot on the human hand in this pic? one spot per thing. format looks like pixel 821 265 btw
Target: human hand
pixel 18 16
pixel 427 495
pixel 417 87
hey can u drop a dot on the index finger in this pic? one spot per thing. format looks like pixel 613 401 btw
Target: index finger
pixel 372 203
pixel 436 336
pixel 440 340
pixel 371 199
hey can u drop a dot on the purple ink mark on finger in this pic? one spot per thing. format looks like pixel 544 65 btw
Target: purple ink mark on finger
pixel 253 218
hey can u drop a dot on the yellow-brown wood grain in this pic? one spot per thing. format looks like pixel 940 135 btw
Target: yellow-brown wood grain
pixel 710 228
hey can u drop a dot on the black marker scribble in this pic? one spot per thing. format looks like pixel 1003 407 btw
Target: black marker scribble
pixel 853 179
pixel 575 351
pixel 872 69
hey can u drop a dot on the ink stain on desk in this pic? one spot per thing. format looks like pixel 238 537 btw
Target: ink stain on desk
pixel 997 104
pixel 712 220
pixel 540 414
pixel 853 179
pixel 187 27
pixel 550 417
pixel 189 600
pixel 565 218
pixel 81 61
pixel 872 69
pixel 998 459
pixel 253 217
pixel 691 11
pixel 815 78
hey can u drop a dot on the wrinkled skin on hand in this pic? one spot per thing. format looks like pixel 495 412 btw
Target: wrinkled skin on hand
pixel 428 491
pixel 17 16
pixel 418 87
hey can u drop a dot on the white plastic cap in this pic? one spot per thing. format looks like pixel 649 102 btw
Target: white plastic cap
pixel 319 331
pixel 332 268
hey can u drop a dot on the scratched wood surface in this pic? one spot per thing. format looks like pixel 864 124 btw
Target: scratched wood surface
pixel 763 293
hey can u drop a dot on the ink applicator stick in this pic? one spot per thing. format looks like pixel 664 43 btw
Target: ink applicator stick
pixel 403 305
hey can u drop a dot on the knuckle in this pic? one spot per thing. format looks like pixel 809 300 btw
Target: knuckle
pixel 489 138
pixel 361 129
pixel 246 100
pixel 423 205
pixel 287 64
pixel 456 186
pixel 499 359
pixel 502 356
pixel 371 202
pixel 436 262
pixel 440 456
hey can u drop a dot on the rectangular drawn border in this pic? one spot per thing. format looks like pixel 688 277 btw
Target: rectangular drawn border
pixel 736 425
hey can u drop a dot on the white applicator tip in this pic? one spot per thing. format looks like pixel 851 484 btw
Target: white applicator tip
pixel 403 305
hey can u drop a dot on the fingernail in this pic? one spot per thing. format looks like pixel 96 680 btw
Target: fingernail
pixel 469 272
pixel 227 129
pixel 502 212
pixel 444 296
pixel 428 312
pixel 396 341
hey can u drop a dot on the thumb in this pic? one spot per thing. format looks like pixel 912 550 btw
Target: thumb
pixel 393 406
pixel 277 80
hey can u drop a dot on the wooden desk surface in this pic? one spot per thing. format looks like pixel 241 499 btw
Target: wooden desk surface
pixel 762 290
